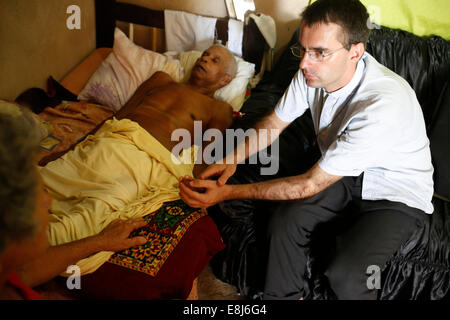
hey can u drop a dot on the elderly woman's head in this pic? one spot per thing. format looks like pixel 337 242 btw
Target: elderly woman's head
pixel 24 204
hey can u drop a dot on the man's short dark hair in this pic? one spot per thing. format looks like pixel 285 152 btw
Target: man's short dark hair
pixel 350 15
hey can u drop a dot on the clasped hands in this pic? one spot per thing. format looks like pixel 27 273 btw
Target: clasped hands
pixel 203 193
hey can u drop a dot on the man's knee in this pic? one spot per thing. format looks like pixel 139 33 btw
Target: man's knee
pixel 292 219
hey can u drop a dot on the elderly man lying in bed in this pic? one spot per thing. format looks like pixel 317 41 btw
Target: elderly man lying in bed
pixel 125 170
pixel 161 105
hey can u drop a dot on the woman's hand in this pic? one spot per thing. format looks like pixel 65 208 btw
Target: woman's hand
pixel 116 236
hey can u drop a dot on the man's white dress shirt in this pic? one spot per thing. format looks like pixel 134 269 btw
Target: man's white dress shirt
pixel 374 125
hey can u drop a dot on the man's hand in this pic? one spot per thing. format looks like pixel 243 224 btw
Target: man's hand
pixel 115 237
pixel 202 193
pixel 225 171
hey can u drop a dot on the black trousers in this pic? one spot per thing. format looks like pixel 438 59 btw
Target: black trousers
pixel 374 231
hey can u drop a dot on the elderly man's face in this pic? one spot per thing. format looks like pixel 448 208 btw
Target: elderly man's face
pixel 332 72
pixel 210 68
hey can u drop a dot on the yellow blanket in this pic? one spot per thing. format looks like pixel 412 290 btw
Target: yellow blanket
pixel 120 172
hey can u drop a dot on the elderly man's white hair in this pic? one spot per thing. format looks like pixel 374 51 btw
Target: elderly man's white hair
pixel 232 67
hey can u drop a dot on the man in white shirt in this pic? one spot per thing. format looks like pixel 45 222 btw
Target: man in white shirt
pixel 375 159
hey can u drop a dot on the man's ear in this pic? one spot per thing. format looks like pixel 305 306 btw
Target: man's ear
pixel 226 79
pixel 356 51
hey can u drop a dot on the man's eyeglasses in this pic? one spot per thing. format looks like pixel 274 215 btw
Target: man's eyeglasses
pixel 315 55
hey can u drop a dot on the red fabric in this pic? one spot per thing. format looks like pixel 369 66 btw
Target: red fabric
pixel 237 115
pixel 27 293
pixel 174 281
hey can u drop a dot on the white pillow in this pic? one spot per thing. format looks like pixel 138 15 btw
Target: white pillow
pixel 129 65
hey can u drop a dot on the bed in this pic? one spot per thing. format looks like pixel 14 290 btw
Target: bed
pixel 70 121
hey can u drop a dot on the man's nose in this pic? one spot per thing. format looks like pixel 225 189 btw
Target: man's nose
pixel 305 61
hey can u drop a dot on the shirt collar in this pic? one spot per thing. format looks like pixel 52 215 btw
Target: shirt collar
pixel 348 88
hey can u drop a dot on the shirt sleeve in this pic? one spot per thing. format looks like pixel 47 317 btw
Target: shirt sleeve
pixel 294 101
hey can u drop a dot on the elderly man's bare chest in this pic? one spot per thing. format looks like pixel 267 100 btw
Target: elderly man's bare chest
pixel 163 110
pixel 178 101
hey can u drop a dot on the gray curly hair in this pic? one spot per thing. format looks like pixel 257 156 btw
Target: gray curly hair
pixel 232 67
pixel 19 140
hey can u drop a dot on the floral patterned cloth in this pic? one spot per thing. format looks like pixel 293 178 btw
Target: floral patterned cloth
pixel 163 231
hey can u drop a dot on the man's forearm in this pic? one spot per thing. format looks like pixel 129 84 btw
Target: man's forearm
pixel 291 188
pixel 256 142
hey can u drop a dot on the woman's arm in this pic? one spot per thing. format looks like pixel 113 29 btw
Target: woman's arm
pixel 115 237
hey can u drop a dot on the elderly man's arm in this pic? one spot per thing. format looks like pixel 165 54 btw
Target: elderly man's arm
pixel 221 120
pixel 115 237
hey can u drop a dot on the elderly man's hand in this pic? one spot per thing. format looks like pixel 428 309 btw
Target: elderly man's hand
pixel 202 193
pixel 225 171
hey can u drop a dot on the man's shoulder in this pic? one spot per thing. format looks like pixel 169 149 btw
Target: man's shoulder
pixel 221 102
pixel 382 83
pixel 159 79
pixel 221 114
pixel 381 77
pixel 385 96
pixel 161 76
pixel 225 106
pixel 162 80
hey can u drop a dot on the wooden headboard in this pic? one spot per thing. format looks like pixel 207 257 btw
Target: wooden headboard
pixel 107 12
